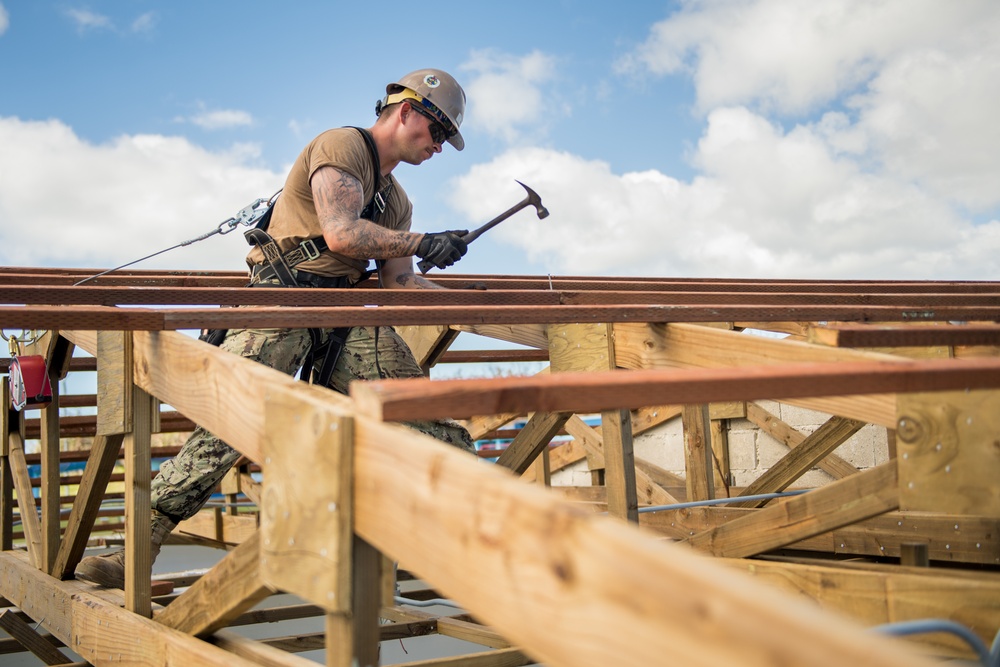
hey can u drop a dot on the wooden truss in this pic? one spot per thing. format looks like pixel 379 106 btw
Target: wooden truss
pixel 544 577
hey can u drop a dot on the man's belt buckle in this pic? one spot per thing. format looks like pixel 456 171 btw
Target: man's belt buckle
pixel 309 250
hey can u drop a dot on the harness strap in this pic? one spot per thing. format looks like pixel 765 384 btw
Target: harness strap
pixel 272 254
pixel 330 350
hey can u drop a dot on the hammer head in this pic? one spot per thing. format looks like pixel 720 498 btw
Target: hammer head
pixel 535 200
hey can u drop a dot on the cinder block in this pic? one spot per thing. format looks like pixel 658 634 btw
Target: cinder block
pixel 812 479
pixel 881 446
pixel 573 475
pixel 741 426
pixel 859 450
pixel 744 477
pixel 801 418
pixel 769 451
pixel 663 446
pixel 742 450
pixel 774 407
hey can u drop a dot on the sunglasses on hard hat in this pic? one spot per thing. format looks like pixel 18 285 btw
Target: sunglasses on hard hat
pixel 439 133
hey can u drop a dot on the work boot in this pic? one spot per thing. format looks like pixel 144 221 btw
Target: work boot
pixel 109 569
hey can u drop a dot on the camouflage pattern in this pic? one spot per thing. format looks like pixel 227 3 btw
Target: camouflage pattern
pixel 185 483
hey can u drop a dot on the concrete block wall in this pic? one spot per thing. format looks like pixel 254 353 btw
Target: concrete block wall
pixel 751 451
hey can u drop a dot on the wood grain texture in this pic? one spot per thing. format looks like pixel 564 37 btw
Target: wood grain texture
pixel 543 568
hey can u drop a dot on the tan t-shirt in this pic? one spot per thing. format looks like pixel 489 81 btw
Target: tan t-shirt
pixel 294 218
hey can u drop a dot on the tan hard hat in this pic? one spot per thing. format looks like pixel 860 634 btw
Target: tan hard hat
pixel 437 92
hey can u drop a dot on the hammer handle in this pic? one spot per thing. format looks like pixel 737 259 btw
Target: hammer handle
pixel 476 233
pixel 426 266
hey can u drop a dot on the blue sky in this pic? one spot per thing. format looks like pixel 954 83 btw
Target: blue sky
pixel 728 138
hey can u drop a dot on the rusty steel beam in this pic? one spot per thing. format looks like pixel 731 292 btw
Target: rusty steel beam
pixel 277 296
pixel 66 277
pixel 103 318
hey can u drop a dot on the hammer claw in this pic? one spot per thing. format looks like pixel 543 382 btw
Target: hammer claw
pixel 531 200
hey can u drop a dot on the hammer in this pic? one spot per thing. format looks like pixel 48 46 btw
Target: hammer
pixel 531 200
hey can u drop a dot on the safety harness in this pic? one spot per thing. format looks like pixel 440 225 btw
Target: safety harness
pixel 280 266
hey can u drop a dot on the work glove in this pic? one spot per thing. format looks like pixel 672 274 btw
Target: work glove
pixel 441 249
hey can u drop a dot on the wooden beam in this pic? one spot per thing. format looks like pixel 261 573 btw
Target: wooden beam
pixel 721 473
pixel 29 639
pixel 878 594
pixel 529 335
pixel 591 347
pixel 170 366
pixel 306 514
pixel 231 587
pixel 813 449
pixel 50 489
pixel 399 400
pixel 841 503
pixel 114 382
pixel 90 295
pixel 503 657
pixel 531 440
pixel 224 529
pixel 538 559
pixel 895 335
pixel 147 277
pixel 138 477
pixel 480 425
pixel 427 343
pixel 832 464
pixel 87 503
pixel 951 538
pixel 106 318
pixel 101 632
pixel 698 454
pixel 948 452
pixel 352 637
pixel 619 465
pixel 27 508
pixel 679 345
pixel 10 423
pixel 493 356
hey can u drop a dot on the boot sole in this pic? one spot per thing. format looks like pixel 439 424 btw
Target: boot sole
pixel 95 574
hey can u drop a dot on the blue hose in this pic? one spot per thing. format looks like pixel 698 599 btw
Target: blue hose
pixel 903 628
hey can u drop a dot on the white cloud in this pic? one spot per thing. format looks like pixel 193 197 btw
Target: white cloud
pixel 66 202
pixel 506 96
pixel 87 20
pixel 930 116
pixel 897 151
pixel 920 78
pixel 144 23
pixel 4 20
pixel 221 118
pixel 791 55
pixel 768 204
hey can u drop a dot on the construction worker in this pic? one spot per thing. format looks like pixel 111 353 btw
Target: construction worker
pixel 340 207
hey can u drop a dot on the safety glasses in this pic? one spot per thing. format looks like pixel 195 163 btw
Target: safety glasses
pixel 439 134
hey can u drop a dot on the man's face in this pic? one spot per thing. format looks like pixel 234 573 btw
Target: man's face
pixel 425 135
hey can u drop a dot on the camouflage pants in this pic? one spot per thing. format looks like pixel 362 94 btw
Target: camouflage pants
pixel 185 483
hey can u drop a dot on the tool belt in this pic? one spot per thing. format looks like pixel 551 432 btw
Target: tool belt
pixel 278 264
pixel 263 276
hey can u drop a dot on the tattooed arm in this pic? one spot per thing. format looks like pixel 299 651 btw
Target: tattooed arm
pixel 398 274
pixel 338 198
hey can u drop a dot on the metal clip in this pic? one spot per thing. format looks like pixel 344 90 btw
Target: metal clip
pixel 247 216
pixel 380 202
pixel 309 250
